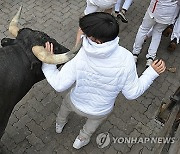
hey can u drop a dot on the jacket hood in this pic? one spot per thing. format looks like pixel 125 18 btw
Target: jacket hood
pixel 103 50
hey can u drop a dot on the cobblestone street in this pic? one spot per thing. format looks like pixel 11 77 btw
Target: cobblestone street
pixel 31 128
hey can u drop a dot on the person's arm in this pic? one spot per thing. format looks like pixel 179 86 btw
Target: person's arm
pixel 59 80
pixel 78 37
pixel 135 87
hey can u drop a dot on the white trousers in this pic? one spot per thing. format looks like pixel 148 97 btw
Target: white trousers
pixel 91 124
pixel 176 30
pixel 157 29
pixel 98 5
pixel 125 5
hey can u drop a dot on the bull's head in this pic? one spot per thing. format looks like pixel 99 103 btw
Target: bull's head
pixel 37 43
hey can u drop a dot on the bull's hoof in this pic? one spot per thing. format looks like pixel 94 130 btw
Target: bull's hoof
pixel 172 46
pixel 7 41
pixel 167 32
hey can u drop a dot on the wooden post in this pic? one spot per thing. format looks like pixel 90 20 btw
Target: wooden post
pixel 166 130
pixel 175 147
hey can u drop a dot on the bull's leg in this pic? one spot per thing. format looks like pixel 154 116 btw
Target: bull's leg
pixel 5 112
pixel 3 127
pixel 7 41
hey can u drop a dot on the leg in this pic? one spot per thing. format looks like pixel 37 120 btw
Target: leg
pixel 127 4
pixel 176 30
pixel 156 38
pixel 146 25
pixel 149 34
pixel 117 5
pixel 123 11
pixel 88 129
pixel 64 111
pixel 175 35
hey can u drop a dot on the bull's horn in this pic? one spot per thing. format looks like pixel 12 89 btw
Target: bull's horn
pixel 43 55
pixel 76 48
pixel 13 28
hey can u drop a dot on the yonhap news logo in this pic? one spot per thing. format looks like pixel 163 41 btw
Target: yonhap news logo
pixel 104 139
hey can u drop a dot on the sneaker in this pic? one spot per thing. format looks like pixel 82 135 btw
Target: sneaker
pixel 135 57
pixel 172 46
pixel 79 142
pixel 122 16
pixel 115 13
pixel 149 61
pixel 59 127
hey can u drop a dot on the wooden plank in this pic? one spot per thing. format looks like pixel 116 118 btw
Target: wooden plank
pixel 166 130
pixel 175 147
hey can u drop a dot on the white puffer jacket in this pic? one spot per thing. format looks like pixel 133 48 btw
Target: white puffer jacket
pixel 100 71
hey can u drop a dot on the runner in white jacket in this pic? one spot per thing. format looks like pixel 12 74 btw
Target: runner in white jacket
pixel 100 70
pixel 159 15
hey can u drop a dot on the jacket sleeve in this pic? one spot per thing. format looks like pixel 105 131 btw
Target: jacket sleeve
pixel 134 86
pixel 60 80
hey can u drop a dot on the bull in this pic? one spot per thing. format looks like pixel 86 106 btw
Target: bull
pixel 20 69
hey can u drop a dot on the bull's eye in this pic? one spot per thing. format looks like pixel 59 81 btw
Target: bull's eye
pixel 42 37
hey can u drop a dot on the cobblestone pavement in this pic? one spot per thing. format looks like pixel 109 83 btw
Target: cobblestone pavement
pixel 31 128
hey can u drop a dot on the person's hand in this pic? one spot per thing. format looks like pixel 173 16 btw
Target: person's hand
pixel 49 47
pixel 159 66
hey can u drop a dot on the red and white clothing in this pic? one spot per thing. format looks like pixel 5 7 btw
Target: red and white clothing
pixel 163 11
pixel 159 15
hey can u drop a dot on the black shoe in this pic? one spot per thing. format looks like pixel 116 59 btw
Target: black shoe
pixel 135 56
pixel 167 32
pixel 173 44
pixel 122 16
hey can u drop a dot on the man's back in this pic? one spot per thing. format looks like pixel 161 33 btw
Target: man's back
pixel 101 72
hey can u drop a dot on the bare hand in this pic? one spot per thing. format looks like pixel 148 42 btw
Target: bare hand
pixel 49 47
pixel 159 66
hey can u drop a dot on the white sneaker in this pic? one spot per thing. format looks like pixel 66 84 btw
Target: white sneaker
pixel 135 57
pixel 149 61
pixel 79 143
pixel 59 127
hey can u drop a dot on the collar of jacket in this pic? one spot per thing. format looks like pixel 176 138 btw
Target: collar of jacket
pixel 99 50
